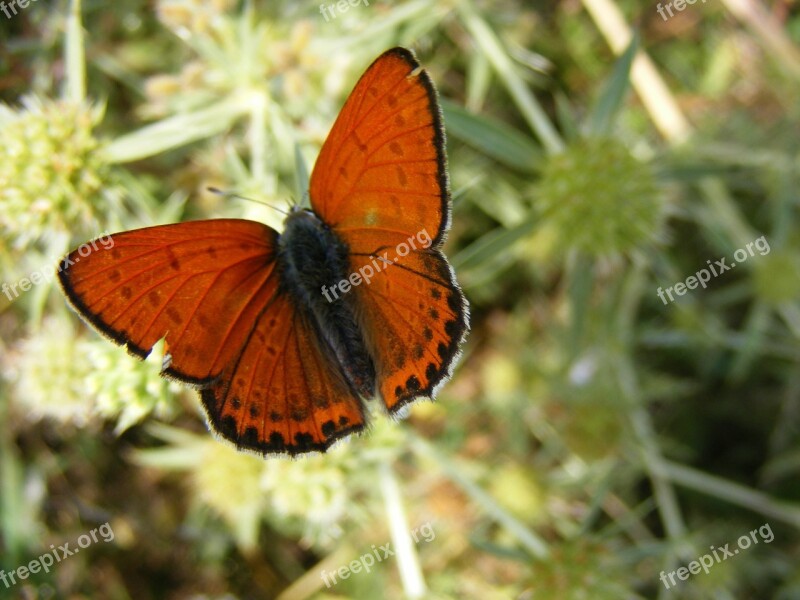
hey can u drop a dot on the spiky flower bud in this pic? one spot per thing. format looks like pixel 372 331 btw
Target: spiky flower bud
pixel 599 199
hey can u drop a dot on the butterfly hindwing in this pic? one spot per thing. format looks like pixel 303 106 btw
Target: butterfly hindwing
pixel 200 284
pixel 283 393
pixel 415 317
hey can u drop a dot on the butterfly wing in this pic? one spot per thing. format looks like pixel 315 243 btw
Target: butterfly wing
pixel 417 320
pixel 212 289
pixel 309 404
pixel 382 168
pixel 381 180
pixel 200 284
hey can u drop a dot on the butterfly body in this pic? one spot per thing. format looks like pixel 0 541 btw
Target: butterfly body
pixel 287 334
pixel 311 257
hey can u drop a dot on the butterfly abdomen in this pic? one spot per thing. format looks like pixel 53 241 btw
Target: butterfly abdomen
pixel 311 259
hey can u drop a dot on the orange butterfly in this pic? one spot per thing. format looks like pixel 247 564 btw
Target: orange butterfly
pixel 276 330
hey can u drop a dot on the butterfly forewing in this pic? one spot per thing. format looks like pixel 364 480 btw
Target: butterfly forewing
pixel 200 284
pixel 382 168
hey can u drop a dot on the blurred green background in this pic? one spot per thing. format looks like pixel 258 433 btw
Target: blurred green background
pixel 593 436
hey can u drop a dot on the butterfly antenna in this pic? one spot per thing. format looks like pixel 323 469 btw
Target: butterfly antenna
pixel 220 192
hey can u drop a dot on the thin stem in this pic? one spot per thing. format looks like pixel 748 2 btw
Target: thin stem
pixel 731 492
pixel 407 559
pixel 665 497
pixel 75 87
pixel 650 87
pixel 755 16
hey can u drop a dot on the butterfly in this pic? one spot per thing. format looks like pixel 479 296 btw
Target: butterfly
pixel 286 335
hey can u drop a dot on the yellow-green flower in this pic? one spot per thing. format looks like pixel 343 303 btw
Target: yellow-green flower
pixel 48 371
pixel 184 16
pixel 126 389
pixel 56 373
pixel 307 497
pixel 50 174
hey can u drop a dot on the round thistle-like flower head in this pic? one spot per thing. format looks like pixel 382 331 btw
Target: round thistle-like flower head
pixel 599 199
pixel 55 373
pixel 50 174
pixel 47 371
pixel 308 497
